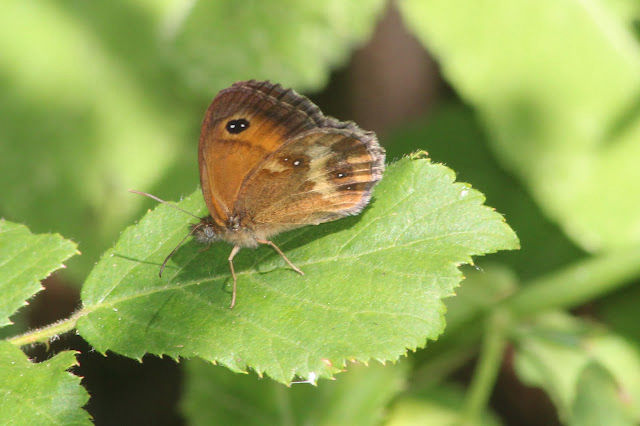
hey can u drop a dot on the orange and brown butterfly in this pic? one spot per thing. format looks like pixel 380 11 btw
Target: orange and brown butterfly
pixel 271 161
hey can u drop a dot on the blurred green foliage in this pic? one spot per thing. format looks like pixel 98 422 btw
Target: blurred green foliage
pixel 214 395
pixel 99 97
pixel 556 84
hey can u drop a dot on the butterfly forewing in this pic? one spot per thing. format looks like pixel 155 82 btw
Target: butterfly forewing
pixel 243 125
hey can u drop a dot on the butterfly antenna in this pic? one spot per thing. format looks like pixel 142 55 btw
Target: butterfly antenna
pixel 166 259
pixel 160 200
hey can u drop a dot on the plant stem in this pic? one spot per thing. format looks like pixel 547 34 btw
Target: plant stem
pixel 577 283
pixel 45 333
pixel 487 368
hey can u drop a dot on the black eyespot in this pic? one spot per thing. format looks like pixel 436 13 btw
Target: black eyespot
pixel 237 126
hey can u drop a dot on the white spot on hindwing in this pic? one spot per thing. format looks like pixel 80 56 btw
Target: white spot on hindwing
pixel 275 166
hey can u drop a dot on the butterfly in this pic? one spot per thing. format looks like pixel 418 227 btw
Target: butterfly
pixel 271 161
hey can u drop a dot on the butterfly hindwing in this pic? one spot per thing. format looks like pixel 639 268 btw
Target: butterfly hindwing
pixel 320 176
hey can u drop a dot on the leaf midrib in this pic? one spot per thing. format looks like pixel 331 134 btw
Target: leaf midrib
pixel 102 304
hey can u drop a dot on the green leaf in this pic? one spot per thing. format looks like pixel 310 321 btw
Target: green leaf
pixel 453 135
pixel 620 312
pixel 127 118
pixel 627 11
pixel 599 401
pixel 556 82
pixel 39 394
pixel 440 406
pixel 93 130
pixel 214 396
pixel 554 352
pixel 25 259
pixel 295 43
pixel 372 287
pixel 481 291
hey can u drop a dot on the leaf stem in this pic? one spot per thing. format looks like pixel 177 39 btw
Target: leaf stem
pixel 45 333
pixel 487 368
pixel 577 284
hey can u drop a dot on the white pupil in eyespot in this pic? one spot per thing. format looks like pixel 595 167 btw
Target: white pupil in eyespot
pixel 237 126
pixel 296 163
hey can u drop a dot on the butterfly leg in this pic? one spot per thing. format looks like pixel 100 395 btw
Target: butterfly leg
pixel 275 247
pixel 233 253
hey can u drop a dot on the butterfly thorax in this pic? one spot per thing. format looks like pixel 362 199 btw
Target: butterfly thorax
pixel 207 231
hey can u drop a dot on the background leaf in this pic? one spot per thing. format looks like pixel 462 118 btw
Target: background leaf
pixel 92 128
pixel 453 135
pixel 39 394
pixel 302 40
pixel 554 352
pixel 215 396
pixel 482 290
pixel 122 99
pixel 620 312
pixel 559 97
pixel 599 401
pixel 380 274
pixel 440 406
pixel 25 259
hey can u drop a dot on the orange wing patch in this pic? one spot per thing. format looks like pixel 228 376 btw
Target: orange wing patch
pixel 227 154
